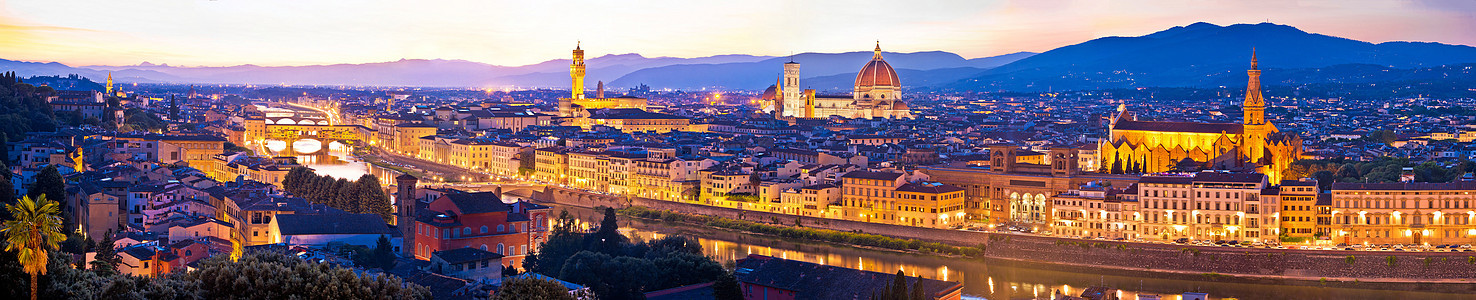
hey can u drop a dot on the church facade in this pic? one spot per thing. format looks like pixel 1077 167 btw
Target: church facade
pixel 1252 144
pixel 877 94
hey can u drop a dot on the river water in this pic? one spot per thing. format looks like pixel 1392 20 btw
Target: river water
pixel 980 280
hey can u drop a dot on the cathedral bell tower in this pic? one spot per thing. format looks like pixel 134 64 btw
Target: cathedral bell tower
pixel 790 91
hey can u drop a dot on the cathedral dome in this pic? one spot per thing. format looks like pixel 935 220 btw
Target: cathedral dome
pixel 771 93
pixel 877 73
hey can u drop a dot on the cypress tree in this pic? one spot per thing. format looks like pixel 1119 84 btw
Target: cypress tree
pixel 5 150
pixel 898 289
pixel 384 253
pixel 1116 164
pixel 917 290
pixel 105 262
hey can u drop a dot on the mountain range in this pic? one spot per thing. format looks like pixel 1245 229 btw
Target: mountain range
pixel 1208 55
pixel 1195 55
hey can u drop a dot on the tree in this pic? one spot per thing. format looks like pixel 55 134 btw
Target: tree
pixel 1128 165
pixel 917 290
pixel 173 109
pixel 105 262
pixel 563 242
pixel 384 253
pixel 372 198
pixel 272 275
pixel 346 197
pixel 608 239
pixel 1186 165
pixel 898 288
pixel 726 288
pixel 7 192
pixel 1348 171
pixel 4 149
pixel 584 268
pixel 1324 179
pixel 35 230
pixel 529 287
pixel 49 182
pixel 681 269
pixel 629 278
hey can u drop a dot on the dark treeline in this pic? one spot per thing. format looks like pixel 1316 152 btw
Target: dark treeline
pixel 363 196
pixel 613 267
pixel 23 107
pixel 1384 169
pixel 256 275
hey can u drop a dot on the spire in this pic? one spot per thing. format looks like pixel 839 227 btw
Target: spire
pixel 1255 103
pixel 878 51
pixel 1254 61
pixel 576 44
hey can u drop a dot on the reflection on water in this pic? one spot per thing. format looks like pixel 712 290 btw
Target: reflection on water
pixel 335 161
pixel 981 280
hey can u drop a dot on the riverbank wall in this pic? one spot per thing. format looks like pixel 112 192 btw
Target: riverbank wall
pixel 1414 270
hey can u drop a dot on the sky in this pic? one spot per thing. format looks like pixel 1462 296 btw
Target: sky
pixel 521 32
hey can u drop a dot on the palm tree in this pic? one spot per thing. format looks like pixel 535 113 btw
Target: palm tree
pixel 34 230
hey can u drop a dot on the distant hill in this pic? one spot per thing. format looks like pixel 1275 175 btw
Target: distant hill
pixel 821 71
pixel 66 83
pixel 1203 55
pixel 830 71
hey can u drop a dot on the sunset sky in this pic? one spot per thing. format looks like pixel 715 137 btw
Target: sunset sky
pixel 304 32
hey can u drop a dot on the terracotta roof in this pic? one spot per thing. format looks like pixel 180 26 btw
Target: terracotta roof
pixel 872 175
pixel 1194 127
pixel 461 255
pixel 928 187
pixel 1459 185
pixel 1229 177
pixel 877 72
pixel 816 281
pixel 1165 179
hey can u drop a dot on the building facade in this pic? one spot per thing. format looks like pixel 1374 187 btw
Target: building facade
pixel 1253 144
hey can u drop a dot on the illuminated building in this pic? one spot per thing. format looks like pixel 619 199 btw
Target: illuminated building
pixel 1298 208
pixel 886 197
pixel 577 105
pixel 1403 213
pixel 1208 206
pixel 877 94
pixel 1157 146
pixel 1014 185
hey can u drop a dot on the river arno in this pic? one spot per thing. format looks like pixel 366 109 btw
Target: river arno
pixel 981 280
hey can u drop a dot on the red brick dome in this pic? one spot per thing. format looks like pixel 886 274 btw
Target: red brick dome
pixel 877 73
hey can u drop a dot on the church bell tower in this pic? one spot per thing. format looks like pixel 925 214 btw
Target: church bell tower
pixel 1255 105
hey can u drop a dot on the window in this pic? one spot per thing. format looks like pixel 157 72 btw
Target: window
pixel 484 230
pixel 499 249
pixel 500 228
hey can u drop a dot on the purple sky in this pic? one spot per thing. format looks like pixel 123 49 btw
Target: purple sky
pixel 504 32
